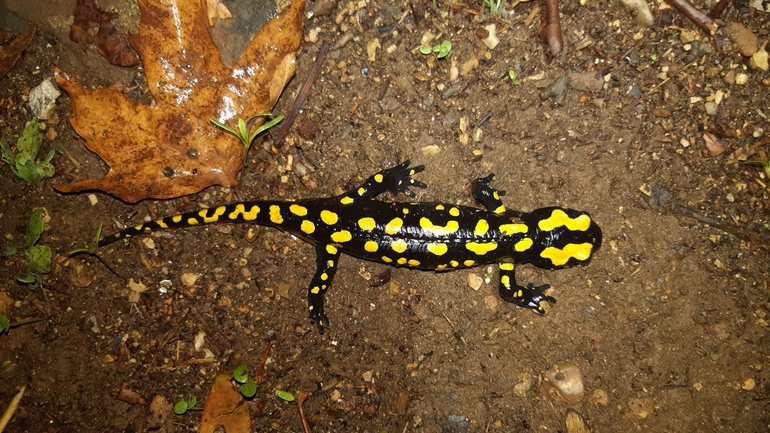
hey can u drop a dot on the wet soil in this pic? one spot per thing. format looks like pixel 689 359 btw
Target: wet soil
pixel 668 325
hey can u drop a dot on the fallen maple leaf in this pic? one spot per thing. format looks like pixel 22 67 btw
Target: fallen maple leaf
pixel 171 149
pixel 11 51
pixel 111 45
pixel 225 407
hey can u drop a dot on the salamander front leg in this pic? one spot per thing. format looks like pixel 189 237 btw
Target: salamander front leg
pixel 527 297
pixel 486 195
pixel 326 267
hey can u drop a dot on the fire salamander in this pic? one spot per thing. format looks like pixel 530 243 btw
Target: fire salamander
pixel 429 236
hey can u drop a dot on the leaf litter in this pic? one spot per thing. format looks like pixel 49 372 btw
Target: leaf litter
pixel 170 149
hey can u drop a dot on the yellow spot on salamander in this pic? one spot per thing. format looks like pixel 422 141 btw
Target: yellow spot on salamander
pixel 405 210
pixel 454 263
pixel 500 209
pixel 481 228
pixel 331 249
pixel 559 218
pixel 559 257
pixel 387 259
pixel 139 228
pixel 510 229
pixel 275 214
pixel 240 209
pixel 495 195
pixel 192 222
pixel 341 236
pixel 315 290
pixel 506 280
pixel 176 218
pixel 361 191
pixel 371 246
pixel 147 228
pixel 523 245
pixel 454 212
pixel 346 200
pixel 378 178
pixel 162 224
pixel 330 263
pixel 451 227
pixel 441 267
pixel 366 224
pixel 324 277
pixel 213 218
pixel 398 245
pixel 481 248
pixel 329 218
pixel 439 207
pixel 413 262
pixel 506 266
pixel 394 226
pixel 298 210
pixel 469 263
pixel 401 261
pixel 307 227
pixel 437 249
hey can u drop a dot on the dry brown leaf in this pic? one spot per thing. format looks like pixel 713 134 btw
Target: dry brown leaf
pixel 10 52
pixel 171 149
pixel 712 144
pixel 225 407
pixel 111 45
pixel 216 9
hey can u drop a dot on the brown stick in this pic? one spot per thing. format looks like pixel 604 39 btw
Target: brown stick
pixel 552 29
pixel 695 15
pixel 314 71
pixel 718 8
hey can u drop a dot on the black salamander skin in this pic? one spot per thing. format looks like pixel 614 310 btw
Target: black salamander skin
pixel 429 236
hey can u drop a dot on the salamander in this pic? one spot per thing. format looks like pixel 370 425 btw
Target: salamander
pixel 416 235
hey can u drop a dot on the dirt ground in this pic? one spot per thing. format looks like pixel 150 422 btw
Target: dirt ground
pixel 668 325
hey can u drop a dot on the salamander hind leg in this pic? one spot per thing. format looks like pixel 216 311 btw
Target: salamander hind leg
pixel 489 197
pixel 326 266
pixel 527 297
pixel 395 179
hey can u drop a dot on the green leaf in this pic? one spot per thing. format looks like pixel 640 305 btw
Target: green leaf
pixel 425 49
pixel 29 143
pixel 192 401
pixel 35 228
pixel 5 323
pixel 249 389
pixel 443 49
pixel 223 126
pixel 180 407
pixel 29 279
pixel 239 374
pixel 264 127
pixel 284 395
pixel 11 251
pixel 39 258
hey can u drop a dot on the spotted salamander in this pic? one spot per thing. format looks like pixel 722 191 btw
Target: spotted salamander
pixel 429 236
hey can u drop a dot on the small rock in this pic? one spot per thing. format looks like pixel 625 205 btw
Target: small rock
pixel 474 281
pixel 711 108
pixel 564 383
pixel 42 99
pixel 199 340
pixel 371 49
pixel 586 81
pixel 743 37
pixel 741 79
pixel 491 40
pixel 189 278
pixel 367 376
pixel 491 303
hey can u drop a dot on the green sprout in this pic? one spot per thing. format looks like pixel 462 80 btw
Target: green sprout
pixel 488 275
pixel 513 77
pixel 183 406
pixel 24 162
pixel 244 127
pixel 248 386
pixel 6 324
pixel 493 5
pixel 286 395
pixel 90 250
pixel 439 51
pixel 38 257
pixel 654 58
pixel 765 164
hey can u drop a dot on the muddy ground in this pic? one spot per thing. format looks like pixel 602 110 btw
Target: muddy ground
pixel 668 325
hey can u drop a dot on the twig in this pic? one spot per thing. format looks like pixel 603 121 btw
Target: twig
pixel 314 71
pixel 260 376
pixel 301 397
pixel 11 409
pixel 718 8
pixel 669 77
pixel 695 15
pixel 552 29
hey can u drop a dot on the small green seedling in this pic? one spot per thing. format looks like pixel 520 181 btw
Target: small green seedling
pixel 24 163
pixel 765 164
pixel 248 387
pixel 439 51
pixel 513 77
pixel 286 395
pixel 488 275
pixel 244 127
pixel 183 406
pixel 38 257
pixel 89 250
pixel 653 58
pixel 493 5
pixel 6 324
